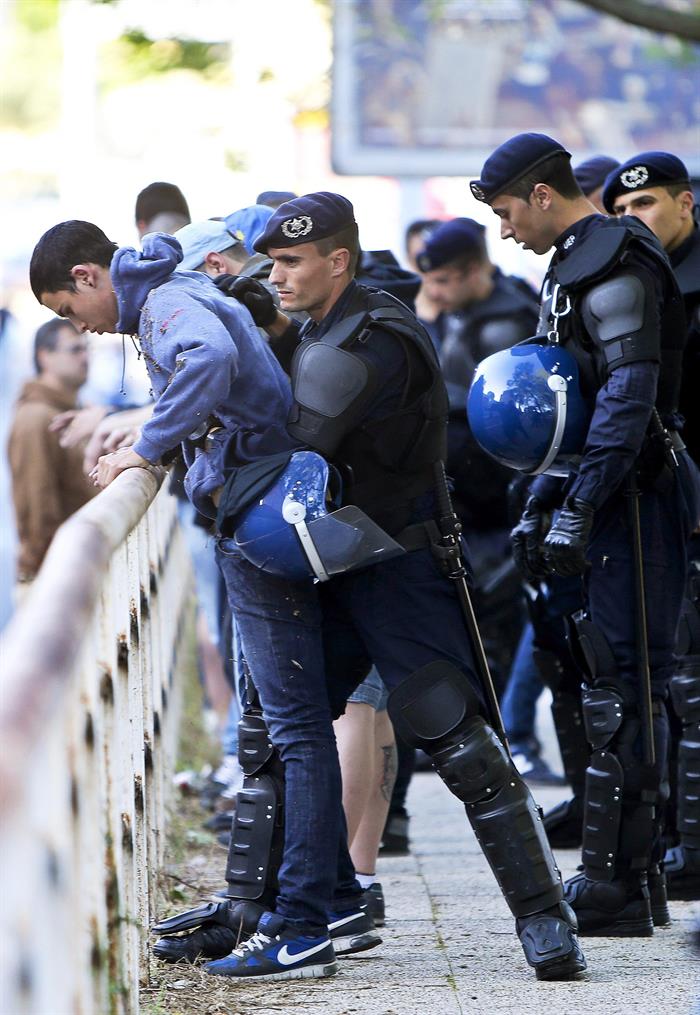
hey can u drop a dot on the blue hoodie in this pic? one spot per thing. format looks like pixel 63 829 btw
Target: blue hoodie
pixel 205 357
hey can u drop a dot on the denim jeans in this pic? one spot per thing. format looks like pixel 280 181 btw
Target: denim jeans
pixel 524 687
pixel 308 646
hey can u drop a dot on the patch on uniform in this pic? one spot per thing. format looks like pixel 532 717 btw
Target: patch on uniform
pixel 569 241
pixel 296 227
pixel 478 192
pixel 634 177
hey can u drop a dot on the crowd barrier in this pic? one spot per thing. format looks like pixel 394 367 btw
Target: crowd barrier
pixel 89 710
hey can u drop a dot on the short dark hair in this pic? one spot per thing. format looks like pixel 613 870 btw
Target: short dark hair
pixel 160 197
pixel 420 226
pixel 680 187
pixel 477 253
pixel 61 248
pixel 347 237
pixel 47 337
pixel 555 171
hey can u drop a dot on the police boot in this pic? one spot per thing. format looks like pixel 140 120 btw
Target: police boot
pixel 564 823
pixel 682 861
pixel 437 710
pixel 254 857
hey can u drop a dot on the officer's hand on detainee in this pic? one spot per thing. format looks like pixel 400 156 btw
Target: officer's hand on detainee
pixel 527 537
pixel 254 296
pixel 110 466
pixel 566 542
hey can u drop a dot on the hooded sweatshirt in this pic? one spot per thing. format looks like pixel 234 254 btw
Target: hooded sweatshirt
pixel 48 484
pixel 208 367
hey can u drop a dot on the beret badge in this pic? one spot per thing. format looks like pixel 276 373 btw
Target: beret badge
pixel 634 177
pixel 295 227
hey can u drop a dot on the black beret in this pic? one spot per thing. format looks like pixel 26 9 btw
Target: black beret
pixel 649 169
pixel 592 173
pixel 511 161
pixel 449 241
pixel 305 220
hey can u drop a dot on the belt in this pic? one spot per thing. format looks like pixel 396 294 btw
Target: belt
pixel 420 536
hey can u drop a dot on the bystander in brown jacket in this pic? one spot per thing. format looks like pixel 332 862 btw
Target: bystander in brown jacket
pixel 48 483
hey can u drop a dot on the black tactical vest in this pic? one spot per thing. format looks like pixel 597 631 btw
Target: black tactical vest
pixel 613 244
pixel 386 462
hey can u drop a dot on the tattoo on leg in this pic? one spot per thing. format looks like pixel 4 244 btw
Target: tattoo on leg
pixel 389 769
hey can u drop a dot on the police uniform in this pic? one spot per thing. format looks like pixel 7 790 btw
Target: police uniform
pixel 369 398
pixel 682 862
pixel 611 300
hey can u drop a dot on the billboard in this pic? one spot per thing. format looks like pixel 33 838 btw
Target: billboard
pixel 431 87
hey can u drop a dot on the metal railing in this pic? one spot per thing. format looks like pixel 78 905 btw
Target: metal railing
pixel 89 705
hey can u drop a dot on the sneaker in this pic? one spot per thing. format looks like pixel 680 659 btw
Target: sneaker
pixel 351 931
pixel 395 836
pixel 617 908
pixel 373 903
pixel 533 768
pixel 682 868
pixel 278 952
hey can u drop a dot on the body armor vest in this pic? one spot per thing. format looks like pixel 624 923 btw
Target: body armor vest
pixel 614 244
pixel 384 462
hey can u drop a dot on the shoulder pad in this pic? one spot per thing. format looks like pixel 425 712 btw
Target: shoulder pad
pixel 617 304
pixel 592 258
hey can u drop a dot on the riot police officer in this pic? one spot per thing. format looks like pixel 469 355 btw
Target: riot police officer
pixel 655 187
pixel 611 300
pixel 369 398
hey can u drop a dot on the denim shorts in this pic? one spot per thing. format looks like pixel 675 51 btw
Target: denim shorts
pixel 371 692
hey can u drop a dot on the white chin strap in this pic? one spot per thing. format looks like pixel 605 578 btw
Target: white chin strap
pixel 559 386
pixel 294 514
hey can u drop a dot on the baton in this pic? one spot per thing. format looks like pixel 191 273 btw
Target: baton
pixel 640 619
pixel 451 558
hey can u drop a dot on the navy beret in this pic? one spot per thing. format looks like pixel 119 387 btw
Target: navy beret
pixel 511 161
pixel 449 241
pixel 305 220
pixel 274 198
pixel 649 169
pixel 592 173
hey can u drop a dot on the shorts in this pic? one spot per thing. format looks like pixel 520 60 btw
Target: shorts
pixel 371 692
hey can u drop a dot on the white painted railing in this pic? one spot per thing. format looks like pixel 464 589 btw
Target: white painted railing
pixel 89 703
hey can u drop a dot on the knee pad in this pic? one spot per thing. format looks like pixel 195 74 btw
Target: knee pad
pixel 255 749
pixel 432 703
pixel 685 695
pixel 590 649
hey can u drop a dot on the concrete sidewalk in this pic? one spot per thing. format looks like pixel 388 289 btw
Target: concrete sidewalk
pixel 450 949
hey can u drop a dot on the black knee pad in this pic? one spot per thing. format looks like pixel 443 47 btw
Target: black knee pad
pixel 685 695
pixel 432 703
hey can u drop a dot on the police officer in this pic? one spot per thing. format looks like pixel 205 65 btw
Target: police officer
pixel 369 397
pixel 610 297
pixel 591 176
pixel 655 187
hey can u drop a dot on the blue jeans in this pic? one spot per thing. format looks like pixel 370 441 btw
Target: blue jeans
pixel 308 647
pixel 524 687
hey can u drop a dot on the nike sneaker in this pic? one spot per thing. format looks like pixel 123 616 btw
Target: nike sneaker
pixel 277 951
pixel 352 931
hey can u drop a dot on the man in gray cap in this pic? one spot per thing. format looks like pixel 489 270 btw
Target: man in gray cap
pixel 655 187
pixel 610 297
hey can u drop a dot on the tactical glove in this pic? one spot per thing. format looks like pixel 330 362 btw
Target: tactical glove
pixel 527 538
pixel 254 296
pixel 567 540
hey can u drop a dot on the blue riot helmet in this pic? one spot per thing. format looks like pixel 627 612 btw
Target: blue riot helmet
pixel 526 409
pixel 296 529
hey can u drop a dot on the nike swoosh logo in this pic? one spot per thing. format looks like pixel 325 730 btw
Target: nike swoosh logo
pixel 286 959
pixel 341 923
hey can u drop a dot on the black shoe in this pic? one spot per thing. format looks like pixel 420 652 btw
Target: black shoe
pixel 395 836
pixel 682 874
pixel 658 899
pixel 220 822
pixel 564 824
pixel 526 758
pixel 618 908
pixel 550 943
pixel 213 938
pixel 352 931
pixel 373 904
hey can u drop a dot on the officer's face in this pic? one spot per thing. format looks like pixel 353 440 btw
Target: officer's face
pixel 526 222
pixel 305 279
pixel 93 304
pixel 450 288
pixel 670 218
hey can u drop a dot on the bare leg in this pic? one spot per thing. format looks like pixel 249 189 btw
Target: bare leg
pixel 354 732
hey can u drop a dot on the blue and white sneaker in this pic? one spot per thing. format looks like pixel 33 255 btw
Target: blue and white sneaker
pixel 351 931
pixel 277 952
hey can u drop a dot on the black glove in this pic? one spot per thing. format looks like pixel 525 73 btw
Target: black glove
pixel 254 296
pixel 567 540
pixel 527 538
